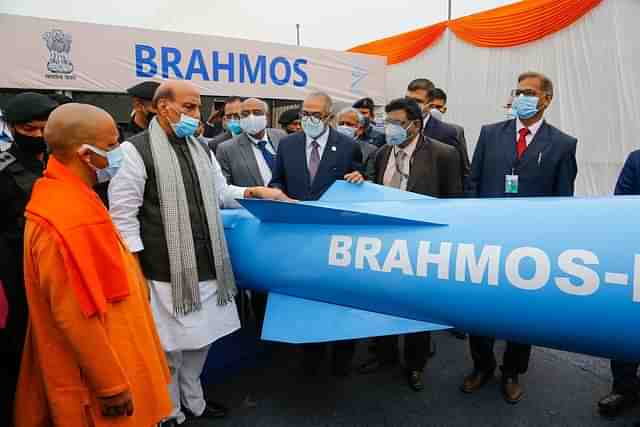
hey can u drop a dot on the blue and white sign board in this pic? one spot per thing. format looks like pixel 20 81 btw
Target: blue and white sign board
pixel 53 54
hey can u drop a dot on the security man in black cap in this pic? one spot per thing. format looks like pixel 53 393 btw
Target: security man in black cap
pixel 290 121
pixel 143 110
pixel 20 166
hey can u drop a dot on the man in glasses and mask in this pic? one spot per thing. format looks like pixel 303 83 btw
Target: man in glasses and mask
pixel 307 164
pixel 26 116
pixel 411 161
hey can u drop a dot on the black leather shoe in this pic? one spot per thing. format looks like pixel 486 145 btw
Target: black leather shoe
pixel 374 365
pixel 476 380
pixel 414 378
pixel 614 404
pixel 212 410
pixel 511 389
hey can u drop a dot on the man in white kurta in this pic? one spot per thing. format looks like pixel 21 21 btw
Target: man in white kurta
pixel 133 196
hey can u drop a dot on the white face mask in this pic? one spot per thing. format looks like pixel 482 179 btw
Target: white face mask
pixel 437 114
pixel 253 124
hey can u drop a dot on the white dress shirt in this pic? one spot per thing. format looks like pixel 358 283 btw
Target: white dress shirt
pixel 194 330
pixel 391 164
pixel 322 142
pixel 265 171
pixel 533 130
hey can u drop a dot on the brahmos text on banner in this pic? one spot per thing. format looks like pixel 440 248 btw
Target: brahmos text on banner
pixel 170 62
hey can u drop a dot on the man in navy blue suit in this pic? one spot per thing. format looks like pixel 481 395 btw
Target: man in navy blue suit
pixel 307 163
pixel 419 90
pixel 626 384
pixel 522 157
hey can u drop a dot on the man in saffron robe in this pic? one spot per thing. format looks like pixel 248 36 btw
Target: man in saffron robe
pixel 92 356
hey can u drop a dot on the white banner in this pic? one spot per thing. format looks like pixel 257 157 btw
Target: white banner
pixel 51 54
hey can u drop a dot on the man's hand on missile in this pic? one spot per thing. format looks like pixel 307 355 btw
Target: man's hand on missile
pixel 266 193
pixel 354 177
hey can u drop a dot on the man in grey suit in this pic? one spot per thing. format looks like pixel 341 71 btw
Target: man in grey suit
pixel 248 159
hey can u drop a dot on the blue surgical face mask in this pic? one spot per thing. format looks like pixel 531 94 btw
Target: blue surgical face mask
pixel 234 127
pixel 114 161
pixel 395 134
pixel 312 127
pixel 437 114
pixel 524 106
pixel 347 130
pixel 186 126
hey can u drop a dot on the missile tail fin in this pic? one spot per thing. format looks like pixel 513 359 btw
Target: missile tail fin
pixel 342 191
pixel 297 320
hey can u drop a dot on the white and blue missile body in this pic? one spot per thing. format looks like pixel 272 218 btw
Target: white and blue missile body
pixel 367 260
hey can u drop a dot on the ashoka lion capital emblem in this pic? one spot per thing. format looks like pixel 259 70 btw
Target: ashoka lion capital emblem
pixel 59 45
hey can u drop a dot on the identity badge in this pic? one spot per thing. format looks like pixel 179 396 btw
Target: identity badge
pixel 511 184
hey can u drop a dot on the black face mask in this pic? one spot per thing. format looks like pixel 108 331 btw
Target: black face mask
pixel 30 144
pixel 367 122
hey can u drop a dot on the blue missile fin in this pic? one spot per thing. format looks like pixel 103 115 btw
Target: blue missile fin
pixel 312 213
pixel 342 191
pixel 297 321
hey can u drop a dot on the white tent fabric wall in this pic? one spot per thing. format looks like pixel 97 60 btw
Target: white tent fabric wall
pixel 595 67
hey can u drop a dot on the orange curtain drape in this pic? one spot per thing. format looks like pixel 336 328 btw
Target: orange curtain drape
pixel 403 46
pixel 512 25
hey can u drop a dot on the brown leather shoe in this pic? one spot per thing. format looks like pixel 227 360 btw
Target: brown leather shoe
pixel 476 380
pixel 511 390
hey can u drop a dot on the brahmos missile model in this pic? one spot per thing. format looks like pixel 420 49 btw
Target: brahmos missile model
pixel 367 260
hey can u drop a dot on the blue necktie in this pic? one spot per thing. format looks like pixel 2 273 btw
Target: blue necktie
pixel 269 157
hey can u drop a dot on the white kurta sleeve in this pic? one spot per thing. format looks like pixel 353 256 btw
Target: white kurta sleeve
pixel 126 194
pixel 227 194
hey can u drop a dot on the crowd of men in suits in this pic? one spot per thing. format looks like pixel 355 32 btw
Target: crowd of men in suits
pixel 522 156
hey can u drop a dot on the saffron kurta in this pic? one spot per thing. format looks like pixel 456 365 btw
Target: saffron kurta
pixel 70 358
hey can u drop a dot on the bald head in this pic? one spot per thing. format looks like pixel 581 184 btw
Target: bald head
pixel 72 125
pixel 174 98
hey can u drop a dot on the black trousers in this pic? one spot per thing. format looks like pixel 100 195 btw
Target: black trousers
pixel 417 347
pixel 315 353
pixel 259 306
pixel 625 377
pixel 515 360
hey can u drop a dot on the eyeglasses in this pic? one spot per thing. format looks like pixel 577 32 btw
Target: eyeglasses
pixel 343 123
pixel 403 123
pixel 315 116
pixel 257 113
pixel 525 92
pixel 232 116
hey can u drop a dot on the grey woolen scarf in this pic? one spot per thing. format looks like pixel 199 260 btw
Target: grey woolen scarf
pixel 185 287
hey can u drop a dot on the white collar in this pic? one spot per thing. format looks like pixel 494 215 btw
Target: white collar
pixel 322 140
pixel 265 138
pixel 533 129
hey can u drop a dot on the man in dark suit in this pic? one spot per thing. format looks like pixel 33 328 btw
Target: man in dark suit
pixel 248 161
pixel 419 90
pixel 370 135
pixel 626 384
pixel 412 162
pixel 230 122
pixel 307 164
pixel 523 157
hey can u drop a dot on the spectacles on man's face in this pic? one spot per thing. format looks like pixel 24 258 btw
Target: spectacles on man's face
pixel 343 123
pixel 403 123
pixel 317 115
pixel 257 113
pixel 525 92
pixel 232 116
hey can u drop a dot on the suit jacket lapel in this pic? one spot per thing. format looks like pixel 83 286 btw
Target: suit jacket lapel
pixel 422 144
pixel 329 157
pixel 383 164
pixel 249 158
pixel 537 146
pixel 509 145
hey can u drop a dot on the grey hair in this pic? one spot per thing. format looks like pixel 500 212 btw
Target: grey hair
pixel 327 100
pixel 349 110
pixel 264 103
pixel 545 82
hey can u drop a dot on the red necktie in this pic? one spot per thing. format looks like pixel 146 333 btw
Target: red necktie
pixel 521 146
